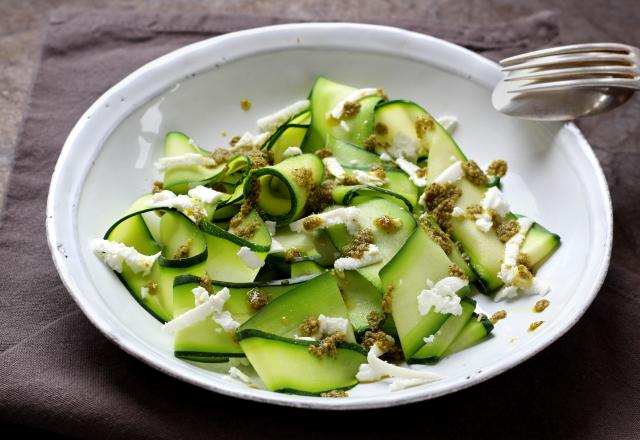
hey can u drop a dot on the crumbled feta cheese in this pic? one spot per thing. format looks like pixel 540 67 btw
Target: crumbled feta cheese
pixel 189 206
pixel 276 247
pixel 250 258
pixel 113 254
pixel 304 338
pixel 334 168
pixel 451 174
pixel 385 157
pixel 201 295
pixel 368 178
pixel 403 146
pixel 347 216
pixel 449 123
pixel 328 325
pixel 144 292
pixel 271 122
pixel 484 222
pixel 337 112
pixel 206 305
pixel 291 152
pixel 204 194
pixel 249 140
pixel 494 199
pixel 235 373
pixel 411 169
pixel 442 296
pixel 428 339
pixel 457 212
pixel 371 256
pixel 345 126
pixel 509 269
pixel 184 160
pixel 376 369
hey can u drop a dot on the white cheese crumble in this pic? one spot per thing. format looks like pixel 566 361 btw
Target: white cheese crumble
pixel 304 338
pixel 235 373
pixel 429 339
pixel 276 246
pixel 368 178
pixel 451 174
pixel 184 160
pixel 412 170
pixel 189 206
pixel 338 111
pixel 329 325
pixel 371 256
pixel 385 157
pixel 347 216
pixel 250 258
pixel 144 292
pixel 207 195
pixel 449 123
pixel 509 268
pixel 248 140
pixel 291 152
pixel 493 199
pixel 113 254
pixel 376 369
pixel 206 305
pixel 442 296
pixel 271 122
pixel 334 168
pixel 457 212
pixel 403 146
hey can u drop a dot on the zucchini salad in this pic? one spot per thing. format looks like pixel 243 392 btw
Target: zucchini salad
pixel 342 244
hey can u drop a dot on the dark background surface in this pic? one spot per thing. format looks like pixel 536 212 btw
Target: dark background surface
pixel 584 386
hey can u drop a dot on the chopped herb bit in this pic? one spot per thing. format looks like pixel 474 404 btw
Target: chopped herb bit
pixel 387 299
pixel 359 245
pixel 424 124
pixel 350 109
pixel 506 230
pixel 183 251
pixel 439 200
pixel 324 153
pixel 350 179
pixel 438 235
pixel 291 254
pixel 535 325
pixel 245 104
pixel 378 171
pixel 497 168
pixel 375 320
pixel 303 177
pixel 474 210
pixel 541 305
pixel 157 187
pixel 372 143
pixel 523 259
pixel 312 222
pixel 501 314
pixel 258 298
pixel 234 140
pixel 387 224
pixel 328 346
pixel 152 287
pixel 247 231
pixel 380 129
pixel 320 197
pixel 523 277
pixel 206 283
pixel 334 394
pixel 310 326
pixel 455 271
pixel 474 173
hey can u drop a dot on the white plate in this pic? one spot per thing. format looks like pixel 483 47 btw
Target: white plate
pixel 107 162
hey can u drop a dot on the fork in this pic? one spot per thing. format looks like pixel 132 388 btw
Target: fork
pixel 581 79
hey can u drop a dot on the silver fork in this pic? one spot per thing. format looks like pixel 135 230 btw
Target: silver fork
pixel 568 82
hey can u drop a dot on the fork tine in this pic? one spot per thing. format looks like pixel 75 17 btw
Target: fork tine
pixel 588 57
pixel 591 82
pixel 548 74
pixel 573 48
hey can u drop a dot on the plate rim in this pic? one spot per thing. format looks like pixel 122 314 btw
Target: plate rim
pixel 490 73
